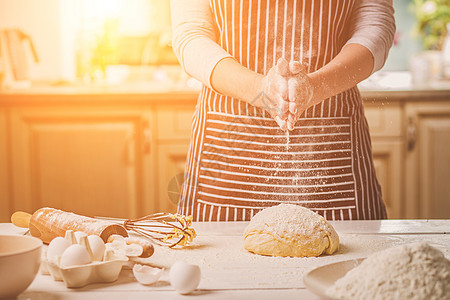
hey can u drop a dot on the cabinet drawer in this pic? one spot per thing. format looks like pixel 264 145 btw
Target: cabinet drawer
pixel 385 120
pixel 174 122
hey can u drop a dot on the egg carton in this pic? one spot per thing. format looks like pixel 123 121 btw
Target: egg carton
pixel 105 270
pixel 95 272
pixel 106 264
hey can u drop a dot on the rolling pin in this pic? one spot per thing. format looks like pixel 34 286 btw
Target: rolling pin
pixel 47 223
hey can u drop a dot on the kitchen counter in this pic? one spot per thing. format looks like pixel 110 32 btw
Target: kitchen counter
pixel 382 86
pixel 398 86
pixel 230 272
pixel 130 93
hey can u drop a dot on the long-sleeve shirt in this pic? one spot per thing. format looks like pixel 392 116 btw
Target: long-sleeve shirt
pixel 195 36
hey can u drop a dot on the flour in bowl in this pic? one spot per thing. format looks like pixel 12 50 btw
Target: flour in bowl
pixel 412 271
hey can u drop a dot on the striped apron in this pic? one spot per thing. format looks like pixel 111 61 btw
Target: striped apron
pixel 240 162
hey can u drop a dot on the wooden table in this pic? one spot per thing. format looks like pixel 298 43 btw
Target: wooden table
pixel 230 272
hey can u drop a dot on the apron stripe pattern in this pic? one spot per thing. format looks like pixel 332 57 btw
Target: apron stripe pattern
pixel 240 161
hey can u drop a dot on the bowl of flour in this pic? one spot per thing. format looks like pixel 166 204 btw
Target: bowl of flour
pixel 414 271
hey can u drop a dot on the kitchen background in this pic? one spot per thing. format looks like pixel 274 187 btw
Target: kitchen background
pixel 95 111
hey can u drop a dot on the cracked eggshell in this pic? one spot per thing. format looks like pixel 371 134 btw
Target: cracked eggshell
pixel 120 247
pixel 117 247
pixel 116 239
pixel 111 255
pixel 184 277
pixel 133 250
pixel 146 275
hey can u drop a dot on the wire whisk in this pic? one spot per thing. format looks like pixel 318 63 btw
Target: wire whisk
pixel 164 229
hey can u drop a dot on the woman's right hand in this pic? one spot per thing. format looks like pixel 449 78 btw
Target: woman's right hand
pixel 300 92
pixel 275 95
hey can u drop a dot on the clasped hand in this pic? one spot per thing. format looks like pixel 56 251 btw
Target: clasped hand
pixel 288 92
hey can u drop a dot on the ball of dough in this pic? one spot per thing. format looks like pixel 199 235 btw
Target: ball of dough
pixel 290 230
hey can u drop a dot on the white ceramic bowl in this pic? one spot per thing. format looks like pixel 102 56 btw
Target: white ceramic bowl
pixel 20 257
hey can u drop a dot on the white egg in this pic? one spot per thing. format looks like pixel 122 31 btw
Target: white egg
pixel 56 247
pixel 75 255
pixel 184 277
pixel 97 246
pixel 79 235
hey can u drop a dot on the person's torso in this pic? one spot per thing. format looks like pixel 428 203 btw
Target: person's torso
pixel 258 32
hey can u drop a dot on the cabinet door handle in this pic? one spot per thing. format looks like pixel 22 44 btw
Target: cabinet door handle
pixel 411 134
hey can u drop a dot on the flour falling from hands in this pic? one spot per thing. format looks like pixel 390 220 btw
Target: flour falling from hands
pixel 414 271
pixel 287 140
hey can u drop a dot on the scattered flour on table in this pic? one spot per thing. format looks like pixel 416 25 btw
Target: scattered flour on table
pixel 225 264
pixel 411 271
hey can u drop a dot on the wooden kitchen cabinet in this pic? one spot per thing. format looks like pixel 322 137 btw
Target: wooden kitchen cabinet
pixel 5 202
pixel 428 160
pixel 174 129
pixel 174 123
pixel 92 153
pixel 89 160
pixel 386 130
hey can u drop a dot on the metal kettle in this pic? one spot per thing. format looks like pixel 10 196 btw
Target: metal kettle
pixel 16 51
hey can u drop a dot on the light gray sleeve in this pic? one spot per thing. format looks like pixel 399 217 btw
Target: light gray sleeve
pixel 194 40
pixel 373 26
